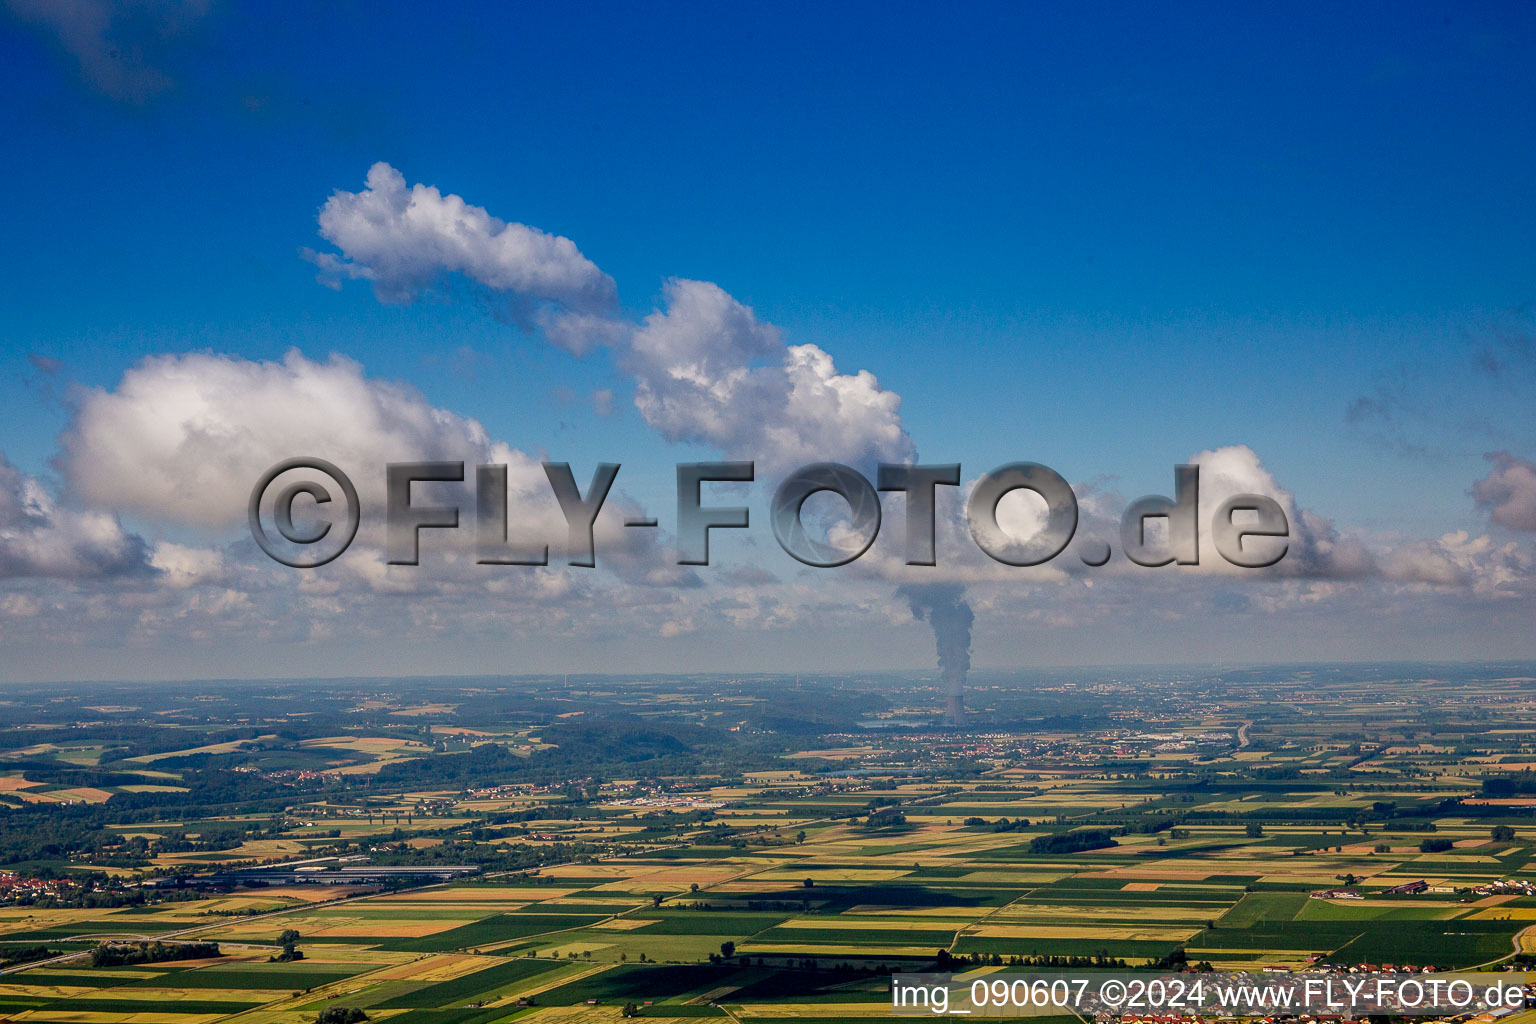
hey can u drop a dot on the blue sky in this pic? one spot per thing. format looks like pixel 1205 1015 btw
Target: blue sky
pixel 1100 238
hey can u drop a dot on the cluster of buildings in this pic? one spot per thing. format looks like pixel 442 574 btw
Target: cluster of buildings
pixel 20 887
pixel 1368 969
pixel 670 800
pixel 521 789
pixel 1002 748
pixel 289 776
pixel 1337 894
pixel 1507 887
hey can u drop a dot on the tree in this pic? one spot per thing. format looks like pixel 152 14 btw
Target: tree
pixel 656 900
pixel 809 882
pixel 1254 831
pixel 287 940
pixel 341 1015
pixel 727 949
pixel 630 1010
pixel 1503 834
pixel 693 887
pixel 800 836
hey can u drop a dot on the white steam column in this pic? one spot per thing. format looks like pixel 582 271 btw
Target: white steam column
pixel 944 607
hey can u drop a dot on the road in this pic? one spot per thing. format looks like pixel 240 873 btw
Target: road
pixel 1518 937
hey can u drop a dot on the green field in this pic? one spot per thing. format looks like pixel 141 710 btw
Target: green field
pixel 790 887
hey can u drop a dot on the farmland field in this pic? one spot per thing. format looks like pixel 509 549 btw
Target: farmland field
pixel 714 873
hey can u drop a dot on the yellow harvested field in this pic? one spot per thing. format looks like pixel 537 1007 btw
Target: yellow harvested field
pixel 269 849
pixel 651 874
pixel 704 876
pixel 210 748
pixel 372 767
pixel 836 875
pixel 75 970
pixel 880 909
pixel 590 871
pixel 443 967
pixel 27 918
pixel 45 991
pixel 367 744
pixel 579 1015
pixel 1064 931
pixel 1494 901
pixel 304 893
pixel 1160 872
pixel 847 924
pixel 798 949
pixel 169 996
pixel 476 894
pixel 101 1017
pixel 382 929
pixel 1090 911
pixel 341 953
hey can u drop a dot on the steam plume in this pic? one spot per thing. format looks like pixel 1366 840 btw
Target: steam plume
pixel 944 607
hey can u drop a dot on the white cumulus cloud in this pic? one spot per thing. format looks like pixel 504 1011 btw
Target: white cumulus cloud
pixel 704 367
pixel 707 370
pixel 183 438
pixel 1316 547
pixel 1509 491
pixel 406 240
pixel 39 536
